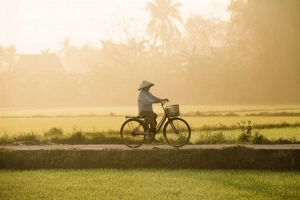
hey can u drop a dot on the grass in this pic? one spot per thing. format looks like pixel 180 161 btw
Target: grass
pixel 68 124
pixel 132 110
pixel 214 124
pixel 92 124
pixel 282 132
pixel 55 135
pixel 148 184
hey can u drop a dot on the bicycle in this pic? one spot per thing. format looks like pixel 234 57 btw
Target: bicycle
pixel 176 130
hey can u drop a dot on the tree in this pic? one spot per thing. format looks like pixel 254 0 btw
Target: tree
pixel 268 32
pixel 2 75
pixel 66 46
pixel 9 75
pixel 213 65
pixel 164 16
pixel 2 57
pixel 46 51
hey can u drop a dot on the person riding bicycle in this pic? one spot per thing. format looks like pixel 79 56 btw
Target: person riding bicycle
pixel 145 101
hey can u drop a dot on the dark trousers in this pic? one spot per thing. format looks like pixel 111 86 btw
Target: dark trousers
pixel 151 118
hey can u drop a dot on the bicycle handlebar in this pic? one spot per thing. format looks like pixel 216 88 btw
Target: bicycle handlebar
pixel 163 102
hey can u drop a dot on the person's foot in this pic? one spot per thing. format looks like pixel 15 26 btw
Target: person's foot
pixel 150 136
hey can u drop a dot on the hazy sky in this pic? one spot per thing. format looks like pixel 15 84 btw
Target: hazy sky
pixel 35 25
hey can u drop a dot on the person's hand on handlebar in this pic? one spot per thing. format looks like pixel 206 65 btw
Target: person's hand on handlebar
pixel 163 101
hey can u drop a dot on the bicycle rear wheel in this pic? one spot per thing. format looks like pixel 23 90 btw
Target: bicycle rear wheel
pixel 127 133
pixel 177 132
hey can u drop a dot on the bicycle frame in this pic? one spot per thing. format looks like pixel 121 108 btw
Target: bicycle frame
pixel 163 119
pixel 160 124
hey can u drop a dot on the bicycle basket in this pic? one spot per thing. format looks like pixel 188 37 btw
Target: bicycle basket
pixel 173 110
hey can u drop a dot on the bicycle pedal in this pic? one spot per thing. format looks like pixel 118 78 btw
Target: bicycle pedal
pixel 150 135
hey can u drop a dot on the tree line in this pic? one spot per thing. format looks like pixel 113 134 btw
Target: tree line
pixel 251 59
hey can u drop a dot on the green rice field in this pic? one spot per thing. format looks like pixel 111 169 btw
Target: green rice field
pixel 132 110
pixel 149 184
pixel 39 121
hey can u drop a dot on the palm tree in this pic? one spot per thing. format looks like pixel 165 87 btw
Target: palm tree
pixel 66 46
pixel 46 51
pixel 164 15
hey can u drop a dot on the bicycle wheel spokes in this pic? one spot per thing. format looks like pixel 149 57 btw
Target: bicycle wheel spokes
pixel 128 135
pixel 177 132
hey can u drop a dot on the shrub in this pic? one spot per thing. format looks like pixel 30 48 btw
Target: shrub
pixel 54 132
pixel 77 138
pixel 246 134
pixel 259 139
pixel 231 114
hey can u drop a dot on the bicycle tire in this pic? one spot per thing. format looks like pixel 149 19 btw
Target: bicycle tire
pixel 127 136
pixel 177 132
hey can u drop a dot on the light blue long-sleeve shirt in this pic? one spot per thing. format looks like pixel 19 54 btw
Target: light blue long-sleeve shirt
pixel 145 101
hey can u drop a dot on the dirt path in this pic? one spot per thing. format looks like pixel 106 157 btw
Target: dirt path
pixel 102 147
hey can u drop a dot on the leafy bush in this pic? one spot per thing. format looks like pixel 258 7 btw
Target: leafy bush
pixel 231 114
pixel 54 132
pixel 77 138
pixel 259 139
pixel 246 134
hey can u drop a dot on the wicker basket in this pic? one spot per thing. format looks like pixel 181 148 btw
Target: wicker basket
pixel 173 110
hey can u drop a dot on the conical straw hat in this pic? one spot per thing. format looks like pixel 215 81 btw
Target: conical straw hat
pixel 145 84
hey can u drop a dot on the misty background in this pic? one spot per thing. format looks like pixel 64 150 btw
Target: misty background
pixel 251 58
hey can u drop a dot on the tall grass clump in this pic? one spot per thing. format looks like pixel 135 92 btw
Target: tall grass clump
pixel 212 138
pixel 28 138
pixel 286 141
pixel 5 139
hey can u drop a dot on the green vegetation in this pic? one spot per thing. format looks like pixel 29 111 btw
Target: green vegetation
pixel 148 184
pixel 56 135
pixel 243 132
pixel 214 125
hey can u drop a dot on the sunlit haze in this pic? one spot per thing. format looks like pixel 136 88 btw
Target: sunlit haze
pixel 96 53
pixel 35 25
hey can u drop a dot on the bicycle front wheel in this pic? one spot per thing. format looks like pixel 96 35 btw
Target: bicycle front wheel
pixel 177 132
pixel 128 136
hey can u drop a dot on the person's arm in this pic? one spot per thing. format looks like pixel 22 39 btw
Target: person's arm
pixel 156 99
pixel 146 98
